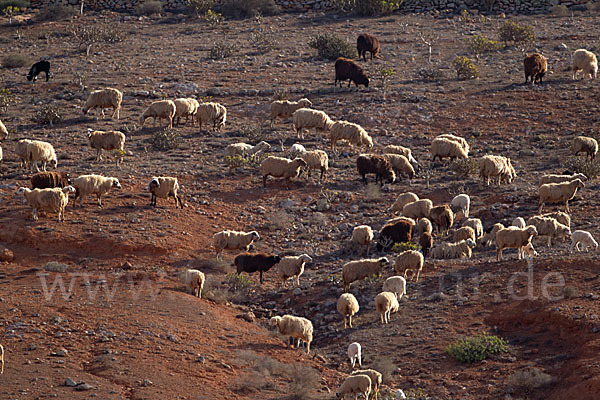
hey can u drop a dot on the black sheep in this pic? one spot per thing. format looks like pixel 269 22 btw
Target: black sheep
pixel 249 262
pixel 426 242
pixel 47 180
pixel 366 42
pixel 375 164
pixel 348 69
pixel 37 68
pixel 394 232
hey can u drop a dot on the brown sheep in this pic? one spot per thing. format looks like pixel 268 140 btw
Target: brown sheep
pixel 375 164
pixel 442 217
pixel 348 69
pixel 426 242
pixel 398 231
pixel 536 66
pixel 48 180
pixel 366 42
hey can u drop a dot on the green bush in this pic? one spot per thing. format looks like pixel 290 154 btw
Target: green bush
pixel 56 13
pixel 15 61
pixel 6 99
pixel 166 139
pixel 149 7
pixel 368 7
pixel 513 32
pixel 465 68
pixel 559 10
pixel 477 348
pixel 222 50
pixel 47 115
pixel 20 4
pixel 237 281
pixel 330 46
pixel 479 44
pixel 239 9
pixel 213 18
pixel 400 247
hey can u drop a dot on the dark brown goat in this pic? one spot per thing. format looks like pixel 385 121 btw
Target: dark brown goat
pixel 375 164
pixel 536 66
pixel 442 217
pixel 426 242
pixel 394 232
pixel 348 69
pixel 252 262
pixel 47 180
pixel 366 42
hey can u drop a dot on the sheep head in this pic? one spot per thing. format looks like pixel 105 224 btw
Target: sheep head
pixel 89 132
pixel 115 183
pixel 153 184
pixel 68 189
pixel 578 183
pixel 255 235
pixel 306 258
pixel 274 321
pixel 532 230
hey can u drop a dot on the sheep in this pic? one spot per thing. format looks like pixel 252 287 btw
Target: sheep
pixel 54 199
pixel 376 380
pixel 3 132
pixel 307 118
pixel 104 98
pixel 409 260
pixel 93 184
pixel 350 132
pixel 46 180
pixel 285 109
pixel 38 68
pixel 463 143
pixel 403 151
pixel 233 240
pixel 587 145
pixel 212 112
pixel 442 147
pixel 0 153
pixel 490 234
pixel 385 304
pixel 375 164
pixel 424 225
pixel 442 217
pixel 396 285
pixel 586 62
pixel 38 150
pixel 461 202
pixel 348 69
pixel 519 222
pixel 245 150
pixel 560 216
pixel 462 249
pixel 296 327
pixel 549 227
pixel 418 209
pixel 159 109
pixel 21 149
pixel 163 187
pixel 194 282
pixel 185 107
pixel 355 384
pixel 354 354
pixel 347 305
pixel 426 243
pixel 585 238
pixel 316 159
pixel 354 271
pixel 464 233
pixel 535 66
pixel 1 359
pixel 281 168
pixel 515 238
pixel 398 231
pixel 292 267
pixel 366 42
pixel 558 192
pixel 553 178
pixel 509 173
pixel 401 164
pixel 109 140
pixel 295 150
pixel 491 166
pixel 362 236
pixel 261 262
pixel 477 226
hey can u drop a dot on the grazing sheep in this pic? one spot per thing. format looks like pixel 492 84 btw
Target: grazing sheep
pixel 0 153
pixel 354 354
pixel 376 380
pixel 529 253
pixel 38 68
pixel 462 249
pixel 491 166
pixel 21 149
pixel 409 260
pixel 316 159
pixel 519 222
pixel 477 226
pixel 43 152
pixel 375 164
pixel 285 109
pixel 385 304
pixel 350 132
pixel 490 234
pixel 233 240
pixel 401 165
pixel 398 231
pixel 355 384
pixel 442 147
pixel 558 193
pixel 54 200
pixel 403 151
pixel 211 112
pixel 586 62
pixel 553 178
pixel 163 187
pixel 278 167
pixel 426 242
pixel 424 225
pixel 513 238
pixel 307 118
pixel 535 66
pixel 362 236
pixel 48 180
pixel 109 140
pixel 292 267
pixel 587 145
pixel 194 282
pixel 185 107
pixel 366 42
pixel 295 150
pixel 585 238
pixel 93 184
pixel 3 132
pixel 560 216
pixel 104 98
pixel 442 218
pixel 396 285
pixel 354 271
pixel 549 227
pixel 296 327
pixel 461 202
pixel 348 69
pixel 245 150
pixel 261 262
pixel 347 305
pixel 464 233
pixel 159 109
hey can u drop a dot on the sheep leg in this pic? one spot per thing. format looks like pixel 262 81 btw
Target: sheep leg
pixel 498 254
pixel 170 122
pixel 549 241
pixel 297 280
pixel 34 214
pixel 350 320
pixel 99 200
pixel 265 181
pixel 345 322
pixel 367 252
pixel 261 277
pixel 540 207
pixel 102 111
pixel 418 273
pixel 567 206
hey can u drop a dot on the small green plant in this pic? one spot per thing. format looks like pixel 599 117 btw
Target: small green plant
pixel 368 7
pixel 222 50
pixel 417 393
pixel 6 99
pixel 10 11
pixel 149 7
pixel 465 68
pixel 385 73
pixel 166 139
pixel 237 281
pixel 590 168
pixel 330 46
pixel 400 247
pixel 56 13
pixel 240 9
pixel 559 10
pixel 477 348
pixel 262 40
pixel 465 168
pixel 20 4
pixel 516 33
pixel 15 60
pixel 47 115
pixel 213 18
pixel 201 7
pixel 479 44
pixel 251 161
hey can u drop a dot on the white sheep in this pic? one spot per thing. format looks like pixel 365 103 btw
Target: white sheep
pixel 159 109
pixel 513 238
pixel 292 267
pixel 402 200
pixel 424 225
pixel 38 150
pixel 93 184
pixel 549 227
pixel 558 193
pixel 3 131
pixel 418 209
pixel 587 145
pixel 490 235
pixel 354 271
pixel 233 240
pixel 401 165
pixel 104 98
pixel 560 216
pixel 464 233
pixel 295 150
pixel 461 202
pixel 214 113
pixel 362 236
pixel 347 305
pixel 477 226
pixel 54 200
pixel 553 178
pixel 396 285
pixel 164 187
pixel 585 238
pixel 442 147
pixel 185 107
pixel 519 222
pixel 404 151
pixel 281 168
pixel 491 166
pixel 351 132
pixel 355 384
pixel 285 109
pixel 107 140
pixel 194 282
pixel 307 118
pixel 376 380
pixel 409 260
pixel 462 249
pixel 297 327
pixel 245 150
pixel 586 62
pixel 457 139
pixel 385 304
pixel 317 160
pixel 21 151
pixel 354 354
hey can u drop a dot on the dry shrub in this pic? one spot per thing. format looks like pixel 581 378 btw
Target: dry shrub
pixel 465 167
pixel 385 365
pixel 149 7
pixel 516 33
pixel 47 115
pixel 239 9
pixel 526 381
pixel 166 139
pixel 221 50
pixel 56 13
pixel 330 46
pixel 368 7
pixel 15 60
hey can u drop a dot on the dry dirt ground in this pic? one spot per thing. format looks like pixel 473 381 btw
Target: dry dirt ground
pixel 129 330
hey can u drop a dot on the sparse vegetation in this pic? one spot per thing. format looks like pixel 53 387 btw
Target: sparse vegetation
pixel 590 168
pixel 87 35
pixel 253 132
pixel 56 13
pixel 15 60
pixel 201 7
pixel 149 7
pixel 570 292
pixel 240 9
pixel 213 18
pixel 47 115
pixel 20 4
pixel 237 282
pixel 431 73
pixel 400 247
pixel 385 74
pixel 368 7
pixel 465 68
pixel 559 10
pixel 6 99
pixel 330 46
pixel 222 50
pixel 528 380
pixel 385 365
pixel 513 32
pixel 479 44
pixel 477 348
pixel 165 139
pixel 465 168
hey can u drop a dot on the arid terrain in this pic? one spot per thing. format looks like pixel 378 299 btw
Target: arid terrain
pixel 121 326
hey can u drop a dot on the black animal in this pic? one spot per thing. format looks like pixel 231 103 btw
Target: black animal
pixel 43 180
pixel 348 69
pixel 366 42
pixel 394 232
pixel 426 242
pixel 375 164
pixel 248 262
pixel 37 68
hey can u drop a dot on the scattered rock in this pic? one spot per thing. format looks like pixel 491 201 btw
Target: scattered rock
pixel 6 255
pixel 54 266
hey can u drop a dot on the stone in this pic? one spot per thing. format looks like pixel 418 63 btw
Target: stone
pixel 6 255
pixel 54 266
